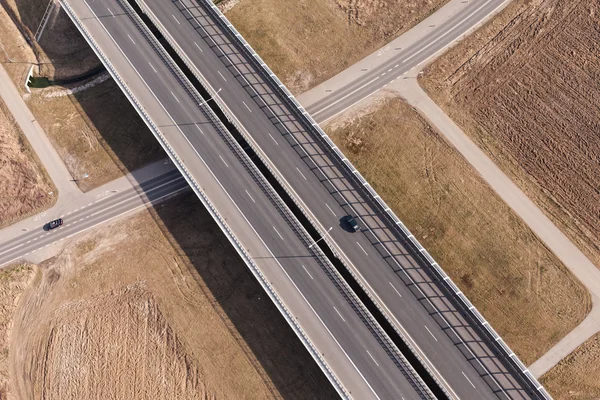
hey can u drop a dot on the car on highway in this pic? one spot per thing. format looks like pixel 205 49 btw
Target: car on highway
pixel 350 222
pixel 53 224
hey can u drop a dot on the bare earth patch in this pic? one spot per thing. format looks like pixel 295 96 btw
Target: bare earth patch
pixel 576 376
pixel 152 307
pixel 526 88
pixel 26 186
pixel 306 42
pixel 512 278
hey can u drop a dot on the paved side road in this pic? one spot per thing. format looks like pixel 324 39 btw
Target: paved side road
pixel 37 138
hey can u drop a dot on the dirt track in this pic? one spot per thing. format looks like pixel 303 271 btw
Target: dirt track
pixel 526 88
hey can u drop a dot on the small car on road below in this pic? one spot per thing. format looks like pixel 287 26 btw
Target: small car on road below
pixel 53 224
pixel 350 223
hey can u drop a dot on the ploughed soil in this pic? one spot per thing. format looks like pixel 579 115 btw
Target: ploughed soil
pixel 519 286
pixel 155 306
pixel 307 42
pixel 526 88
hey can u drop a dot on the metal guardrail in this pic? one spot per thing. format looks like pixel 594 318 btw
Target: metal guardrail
pixel 374 197
pixel 204 82
pixel 212 210
pixel 293 222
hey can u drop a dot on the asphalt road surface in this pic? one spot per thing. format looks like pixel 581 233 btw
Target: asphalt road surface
pixel 98 212
pixel 352 347
pixel 333 97
pixel 460 357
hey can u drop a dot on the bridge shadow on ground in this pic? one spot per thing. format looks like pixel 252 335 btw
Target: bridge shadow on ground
pixel 269 343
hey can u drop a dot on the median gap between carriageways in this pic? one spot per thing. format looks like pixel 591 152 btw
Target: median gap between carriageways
pixel 348 278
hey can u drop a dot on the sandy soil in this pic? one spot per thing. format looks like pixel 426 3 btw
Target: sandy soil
pixel 576 376
pixel 13 282
pixel 526 89
pixel 307 42
pixel 512 278
pixel 152 307
pixel 26 187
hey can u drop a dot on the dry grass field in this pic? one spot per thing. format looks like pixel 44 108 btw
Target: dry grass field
pixel 511 277
pixel 306 42
pixel 526 88
pixel 96 131
pixel 576 376
pixel 154 307
pixel 26 186
pixel 90 138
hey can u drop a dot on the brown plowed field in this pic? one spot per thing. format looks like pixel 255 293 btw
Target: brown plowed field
pixel 526 87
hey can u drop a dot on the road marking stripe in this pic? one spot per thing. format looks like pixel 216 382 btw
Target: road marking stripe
pixel 307 272
pixel 132 41
pixel 395 289
pixel 12 248
pixel 224 161
pixel 175 19
pixel 198 126
pixel 330 209
pixel 222 76
pixel 175 97
pixel 430 332
pixel 153 69
pixel 422 49
pixel 468 379
pixel 250 196
pixel 362 248
pixel 336 310
pixel 247 106
pixel 111 13
pixel 372 358
pixel 278 233
pixel 274 139
pixel 301 173
pixel 199 48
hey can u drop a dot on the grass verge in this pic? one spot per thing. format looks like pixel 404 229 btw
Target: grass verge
pixel 26 186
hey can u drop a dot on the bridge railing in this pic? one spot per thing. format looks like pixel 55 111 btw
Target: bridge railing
pixel 271 292
pixel 319 134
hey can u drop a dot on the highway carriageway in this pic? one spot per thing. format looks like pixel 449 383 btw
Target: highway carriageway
pixel 350 347
pixel 426 309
